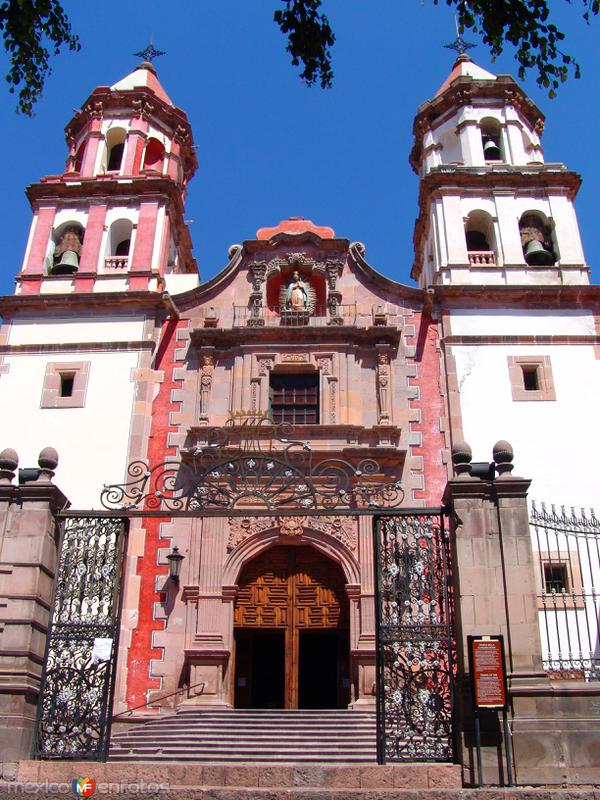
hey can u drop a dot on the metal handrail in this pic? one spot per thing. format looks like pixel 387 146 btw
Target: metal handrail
pixel 164 697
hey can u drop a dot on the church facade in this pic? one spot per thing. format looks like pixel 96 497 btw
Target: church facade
pixel 116 355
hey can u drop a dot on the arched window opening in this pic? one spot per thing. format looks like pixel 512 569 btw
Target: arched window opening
pixel 154 155
pixel 122 249
pixel 118 245
pixel 115 147
pixel 479 235
pixel 66 249
pixel 491 136
pixel 536 240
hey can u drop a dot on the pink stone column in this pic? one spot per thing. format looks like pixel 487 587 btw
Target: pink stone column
pixel 135 146
pixel 92 240
pixel 174 160
pixel 144 239
pixel 44 220
pixel 95 139
pixel 164 246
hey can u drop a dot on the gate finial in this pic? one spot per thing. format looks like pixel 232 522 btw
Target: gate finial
pixel 503 455
pixel 461 459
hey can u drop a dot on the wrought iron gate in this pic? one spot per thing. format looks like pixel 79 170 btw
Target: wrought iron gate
pixel 74 709
pixel 414 639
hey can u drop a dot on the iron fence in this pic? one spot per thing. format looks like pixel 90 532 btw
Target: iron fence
pixel 567 552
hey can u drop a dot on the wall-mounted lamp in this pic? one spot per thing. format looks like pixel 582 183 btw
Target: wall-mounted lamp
pixel 175 558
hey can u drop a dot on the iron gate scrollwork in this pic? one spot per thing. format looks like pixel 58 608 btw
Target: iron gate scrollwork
pixel 74 709
pixel 415 663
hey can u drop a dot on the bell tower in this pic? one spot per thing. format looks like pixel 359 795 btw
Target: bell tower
pixel 491 210
pixel 114 221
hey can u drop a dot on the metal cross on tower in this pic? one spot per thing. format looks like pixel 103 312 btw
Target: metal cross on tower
pixel 149 53
pixel 459 44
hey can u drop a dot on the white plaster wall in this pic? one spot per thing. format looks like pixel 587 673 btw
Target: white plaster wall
pixel 521 321
pixel 92 442
pixel 181 283
pixel 37 330
pixel 557 442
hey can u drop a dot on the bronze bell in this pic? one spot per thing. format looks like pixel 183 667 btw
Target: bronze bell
pixel 69 262
pixel 536 254
pixel 491 151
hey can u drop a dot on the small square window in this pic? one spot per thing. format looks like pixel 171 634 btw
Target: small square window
pixel 67 384
pixel 556 578
pixel 531 379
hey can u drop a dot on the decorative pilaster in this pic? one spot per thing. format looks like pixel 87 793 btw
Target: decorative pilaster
pixel 258 271
pixel 383 384
pixel 333 270
pixel 207 368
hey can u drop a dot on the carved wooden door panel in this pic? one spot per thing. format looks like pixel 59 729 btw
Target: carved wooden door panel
pixel 294 588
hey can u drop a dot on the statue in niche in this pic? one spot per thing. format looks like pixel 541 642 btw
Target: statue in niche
pixel 297 296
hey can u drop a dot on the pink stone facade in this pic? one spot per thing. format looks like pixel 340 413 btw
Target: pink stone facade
pixel 378 366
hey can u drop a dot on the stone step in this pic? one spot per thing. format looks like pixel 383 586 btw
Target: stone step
pixel 251 735
pixel 189 777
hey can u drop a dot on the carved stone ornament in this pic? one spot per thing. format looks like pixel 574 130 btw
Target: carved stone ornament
pixel 291 526
pixel 383 381
pixel 324 365
pixel 258 272
pixel 265 365
pixel 341 528
pixel 142 107
pixel 295 358
pixel 95 109
pixel 242 528
pixel 206 378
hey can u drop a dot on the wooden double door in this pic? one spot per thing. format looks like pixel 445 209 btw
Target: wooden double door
pixel 291 632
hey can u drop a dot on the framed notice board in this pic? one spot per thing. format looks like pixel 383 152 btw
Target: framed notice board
pixel 488 672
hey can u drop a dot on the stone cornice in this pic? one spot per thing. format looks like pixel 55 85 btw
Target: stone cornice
pixel 555 297
pixel 505 176
pixel 9 304
pixel 53 187
pixel 226 338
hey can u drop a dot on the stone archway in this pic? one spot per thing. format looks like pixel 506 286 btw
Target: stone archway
pixel 291 631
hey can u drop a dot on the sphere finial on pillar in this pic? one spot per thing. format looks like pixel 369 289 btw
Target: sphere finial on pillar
pixel 9 461
pixel 47 461
pixel 503 455
pixel 461 459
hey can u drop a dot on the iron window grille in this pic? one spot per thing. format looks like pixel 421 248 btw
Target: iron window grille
pixel 295 398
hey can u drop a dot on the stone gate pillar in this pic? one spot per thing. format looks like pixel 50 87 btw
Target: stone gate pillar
pixel 28 547
pixel 552 736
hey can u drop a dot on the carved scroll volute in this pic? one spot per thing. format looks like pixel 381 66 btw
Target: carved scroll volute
pixel 207 368
pixel 383 381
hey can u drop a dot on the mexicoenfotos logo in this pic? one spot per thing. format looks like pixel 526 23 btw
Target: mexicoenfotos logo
pixel 83 787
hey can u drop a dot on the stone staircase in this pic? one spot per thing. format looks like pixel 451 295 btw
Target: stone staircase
pixel 251 736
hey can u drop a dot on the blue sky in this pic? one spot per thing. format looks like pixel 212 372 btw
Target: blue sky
pixel 268 146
